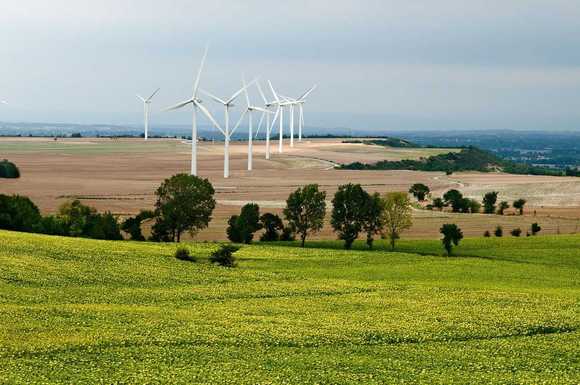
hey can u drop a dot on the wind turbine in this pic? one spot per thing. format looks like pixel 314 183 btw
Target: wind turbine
pixel 226 131
pixel 146 108
pixel 250 109
pixel 281 106
pixel 269 123
pixel 300 103
pixel 196 103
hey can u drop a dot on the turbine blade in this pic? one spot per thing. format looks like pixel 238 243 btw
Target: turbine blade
pixel 261 92
pixel 235 95
pixel 153 94
pixel 273 92
pixel 263 110
pixel 212 96
pixel 208 115
pixel 238 122
pixel 141 97
pixel 196 81
pixel 260 124
pixel 246 90
pixel 179 105
pixel 307 93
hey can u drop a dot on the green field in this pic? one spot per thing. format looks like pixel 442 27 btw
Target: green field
pixel 83 311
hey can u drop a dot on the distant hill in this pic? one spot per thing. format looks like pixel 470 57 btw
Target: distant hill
pixel 387 142
pixel 468 159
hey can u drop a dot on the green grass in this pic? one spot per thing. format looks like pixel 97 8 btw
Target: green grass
pixel 85 311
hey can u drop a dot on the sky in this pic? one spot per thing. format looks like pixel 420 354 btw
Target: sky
pixel 379 64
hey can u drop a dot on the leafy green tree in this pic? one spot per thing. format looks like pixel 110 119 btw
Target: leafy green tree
pixel 472 205
pixel 273 225
pixel 535 228
pixel 489 201
pixel 516 232
pixel 454 198
pixel 8 170
pixel 184 203
pixel 419 191
pixel 502 207
pixel 373 217
pixel 519 205
pixel 305 210
pixel 19 213
pixel 347 212
pixel 132 225
pixel 397 215
pixel 498 231
pixel 452 234
pixel 438 203
pixel 242 227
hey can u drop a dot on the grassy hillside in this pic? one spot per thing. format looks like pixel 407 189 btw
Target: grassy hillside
pixel 86 311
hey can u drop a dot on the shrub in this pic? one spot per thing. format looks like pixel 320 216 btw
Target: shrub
pixel 8 170
pixel 272 225
pixel 224 256
pixel 487 234
pixel 183 254
pixel 287 234
pixel 516 232
pixel 498 231
pixel 535 228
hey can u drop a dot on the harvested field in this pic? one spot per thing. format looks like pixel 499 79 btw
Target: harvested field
pixel 121 175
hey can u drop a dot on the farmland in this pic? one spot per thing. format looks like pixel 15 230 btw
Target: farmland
pixel 80 311
pixel 121 175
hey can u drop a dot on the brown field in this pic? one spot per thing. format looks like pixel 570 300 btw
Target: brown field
pixel 121 176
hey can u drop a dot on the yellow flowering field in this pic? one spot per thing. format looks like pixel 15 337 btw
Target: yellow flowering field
pixel 75 311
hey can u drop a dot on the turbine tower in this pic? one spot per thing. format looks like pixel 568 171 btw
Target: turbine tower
pixel 147 110
pixel 226 131
pixel 269 123
pixel 281 106
pixel 196 103
pixel 300 103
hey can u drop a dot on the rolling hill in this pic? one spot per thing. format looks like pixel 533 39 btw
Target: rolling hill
pixel 86 311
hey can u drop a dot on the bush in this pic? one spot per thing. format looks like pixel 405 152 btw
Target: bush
pixel 498 231
pixel 8 170
pixel 224 256
pixel 273 225
pixel 183 254
pixel 487 234
pixel 287 235
pixel 535 228
pixel 516 232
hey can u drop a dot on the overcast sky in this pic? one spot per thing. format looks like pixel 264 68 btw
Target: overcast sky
pixel 384 64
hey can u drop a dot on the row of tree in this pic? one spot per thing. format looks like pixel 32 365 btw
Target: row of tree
pixel 460 204
pixel 354 211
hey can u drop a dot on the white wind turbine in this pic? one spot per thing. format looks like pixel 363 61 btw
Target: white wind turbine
pixel 269 123
pixel 226 130
pixel 147 110
pixel 300 103
pixel 250 109
pixel 196 103
pixel 281 105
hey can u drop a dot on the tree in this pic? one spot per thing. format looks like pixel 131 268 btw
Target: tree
pixel 438 203
pixel 419 191
pixel 535 228
pixel 452 234
pixel 242 227
pixel 75 217
pixel 503 206
pixel 397 215
pixel 373 217
pixel 489 201
pixel 455 199
pixel 472 205
pixel 132 225
pixel 272 224
pixel 347 212
pixel 305 210
pixel 516 232
pixel 8 170
pixel 19 213
pixel 519 205
pixel 498 231
pixel 184 203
